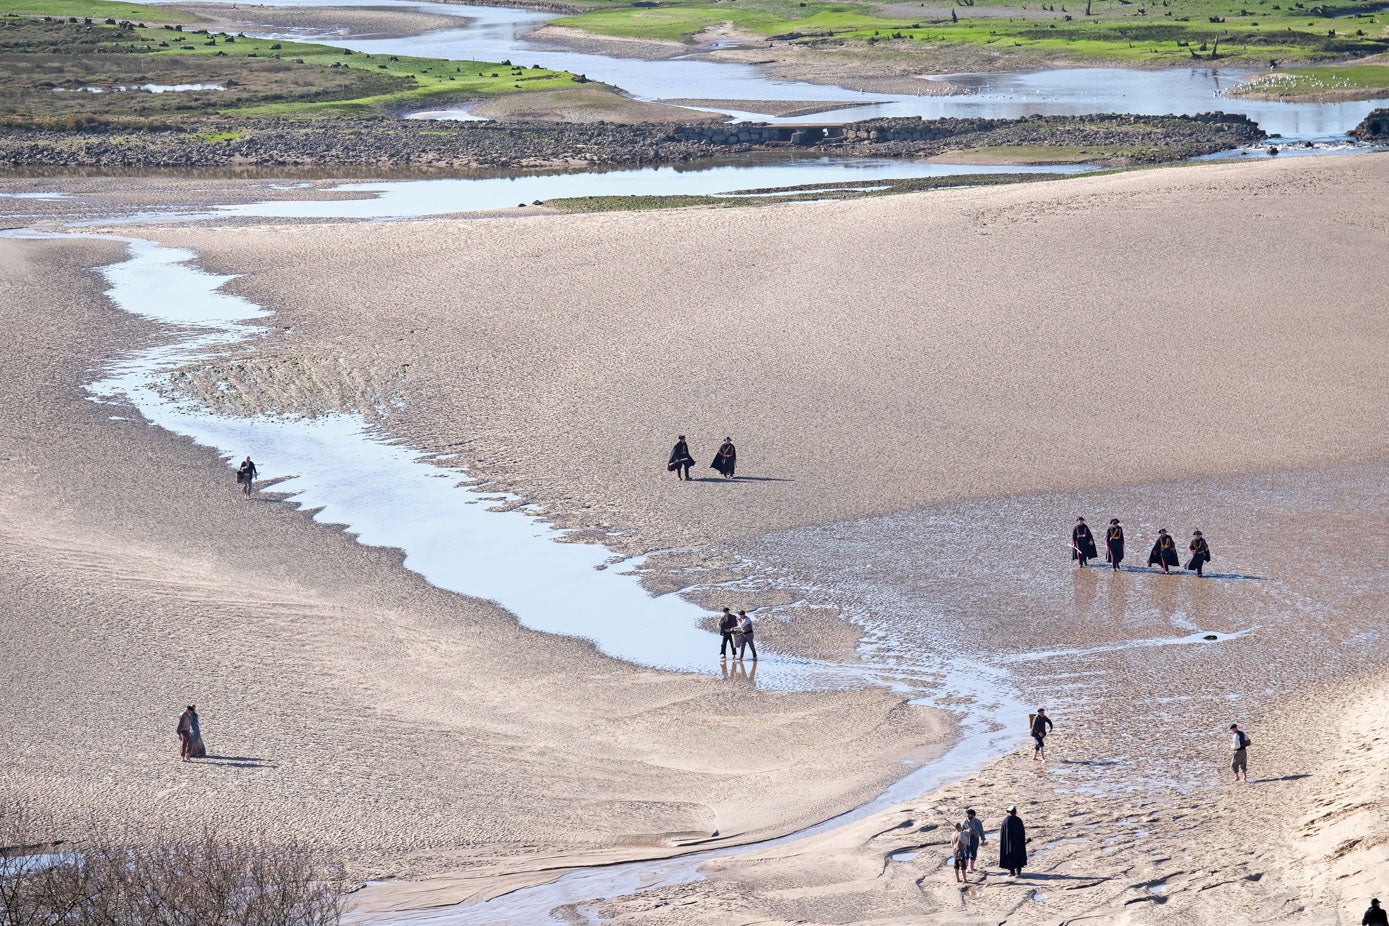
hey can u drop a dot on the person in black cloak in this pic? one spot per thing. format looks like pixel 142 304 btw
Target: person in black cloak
pixel 1012 843
pixel 726 460
pixel 1082 543
pixel 1164 552
pixel 1114 543
pixel 1200 552
pixel 680 460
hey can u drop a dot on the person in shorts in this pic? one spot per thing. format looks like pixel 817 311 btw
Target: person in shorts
pixel 974 828
pixel 959 849
pixel 1240 742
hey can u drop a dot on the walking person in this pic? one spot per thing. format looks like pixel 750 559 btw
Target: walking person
pixel 246 474
pixel 1012 844
pixel 1082 543
pixel 1200 553
pixel 728 623
pixel 959 850
pixel 726 460
pixel 680 460
pixel 974 827
pixel 1240 742
pixel 1041 726
pixel 187 729
pixel 745 635
pixel 1114 544
pixel 1375 916
pixel 1164 552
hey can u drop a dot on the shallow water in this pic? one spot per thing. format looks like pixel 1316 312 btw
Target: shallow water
pixel 416 198
pixel 500 33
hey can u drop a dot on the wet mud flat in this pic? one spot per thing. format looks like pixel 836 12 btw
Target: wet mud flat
pixel 427 146
pixel 1140 670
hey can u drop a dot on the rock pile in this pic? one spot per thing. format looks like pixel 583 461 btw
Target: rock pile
pixel 420 145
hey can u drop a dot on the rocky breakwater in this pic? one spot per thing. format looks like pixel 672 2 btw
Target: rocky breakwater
pixel 1145 138
pixel 433 146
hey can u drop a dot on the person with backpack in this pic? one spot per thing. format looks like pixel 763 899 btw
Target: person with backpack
pixel 1041 726
pixel 959 851
pixel 190 735
pixel 1240 741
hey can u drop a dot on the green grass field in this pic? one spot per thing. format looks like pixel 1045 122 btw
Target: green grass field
pixel 41 58
pixel 135 12
pixel 1364 81
pixel 1132 31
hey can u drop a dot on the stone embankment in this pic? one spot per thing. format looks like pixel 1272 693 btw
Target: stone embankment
pixel 1374 128
pixel 420 145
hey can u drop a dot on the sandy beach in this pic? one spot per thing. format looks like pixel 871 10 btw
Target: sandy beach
pixel 925 390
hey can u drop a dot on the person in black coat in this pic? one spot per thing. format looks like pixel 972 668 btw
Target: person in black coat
pixel 726 460
pixel 1114 543
pixel 680 459
pixel 1082 543
pixel 1200 552
pixel 1164 552
pixel 1012 843
pixel 1375 916
pixel 727 625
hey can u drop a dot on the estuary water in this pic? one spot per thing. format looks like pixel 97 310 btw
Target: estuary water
pixel 501 33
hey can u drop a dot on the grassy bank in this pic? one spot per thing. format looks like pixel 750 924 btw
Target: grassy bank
pixel 1347 82
pixel 819 192
pixel 1125 31
pixel 65 59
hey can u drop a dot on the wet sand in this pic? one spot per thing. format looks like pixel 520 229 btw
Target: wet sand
pixel 343 699
pixel 866 356
pixel 925 390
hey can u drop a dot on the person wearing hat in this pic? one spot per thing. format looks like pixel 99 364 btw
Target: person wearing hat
pixel 1114 543
pixel 1200 552
pixel 1082 543
pixel 1240 741
pixel 1164 552
pixel 726 460
pixel 680 460
pixel 1375 916
pixel 1012 843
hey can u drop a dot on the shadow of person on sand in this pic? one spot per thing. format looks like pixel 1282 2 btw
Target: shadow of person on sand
pixel 1259 781
pixel 237 761
pixel 737 479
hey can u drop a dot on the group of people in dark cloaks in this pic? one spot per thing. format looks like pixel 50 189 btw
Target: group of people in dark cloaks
pixel 725 461
pixel 969 835
pixel 1163 554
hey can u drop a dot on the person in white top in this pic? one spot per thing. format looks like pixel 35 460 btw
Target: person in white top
pixel 745 632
